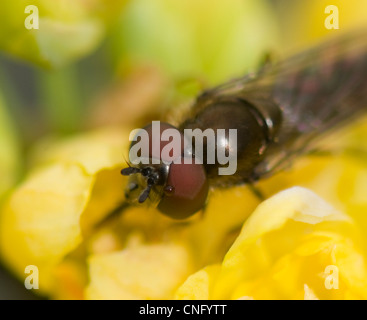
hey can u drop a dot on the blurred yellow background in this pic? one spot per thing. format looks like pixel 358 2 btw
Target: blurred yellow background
pixel 113 65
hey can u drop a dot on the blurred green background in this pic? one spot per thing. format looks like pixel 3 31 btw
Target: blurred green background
pixel 95 63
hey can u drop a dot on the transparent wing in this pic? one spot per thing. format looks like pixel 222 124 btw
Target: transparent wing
pixel 315 91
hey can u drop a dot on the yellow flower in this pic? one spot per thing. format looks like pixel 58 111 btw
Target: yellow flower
pixel 141 272
pixel 41 221
pixel 293 246
pixel 52 221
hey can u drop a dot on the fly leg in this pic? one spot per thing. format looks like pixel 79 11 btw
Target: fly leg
pixel 115 213
pixel 256 191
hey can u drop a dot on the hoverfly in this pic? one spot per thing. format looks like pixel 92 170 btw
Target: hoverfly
pixel 279 112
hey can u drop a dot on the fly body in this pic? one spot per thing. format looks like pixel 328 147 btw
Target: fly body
pixel 278 113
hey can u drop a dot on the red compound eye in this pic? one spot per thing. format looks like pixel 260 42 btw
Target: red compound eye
pixel 185 186
pixel 189 189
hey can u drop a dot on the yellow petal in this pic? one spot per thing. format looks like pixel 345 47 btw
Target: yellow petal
pixel 309 294
pixel 40 222
pixel 341 181
pixel 211 235
pixel 198 285
pixel 291 239
pixel 143 272
pixel 76 182
pixel 71 279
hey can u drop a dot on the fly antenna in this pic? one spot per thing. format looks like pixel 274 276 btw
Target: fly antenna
pixel 129 171
pixel 127 162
